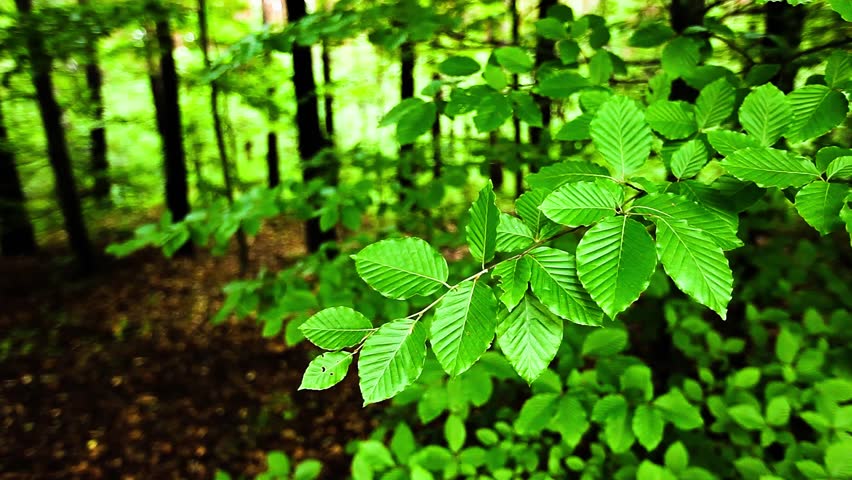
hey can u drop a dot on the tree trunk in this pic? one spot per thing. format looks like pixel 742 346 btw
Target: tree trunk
pixel 437 154
pixel 166 100
pixel 311 138
pixel 16 232
pixel 406 172
pixel 204 41
pixel 57 146
pixel 272 160
pixel 543 54
pixel 97 135
pixel 783 21
pixel 328 98
pixel 495 163
pixel 683 14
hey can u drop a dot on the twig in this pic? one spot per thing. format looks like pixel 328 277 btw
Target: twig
pixel 819 48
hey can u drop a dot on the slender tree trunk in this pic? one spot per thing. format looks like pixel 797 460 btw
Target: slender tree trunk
pixel 786 22
pixel 16 232
pixel 543 54
pixel 97 135
pixel 437 153
pixel 406 170
pixel 57 146
pixel 204 41
pixel 328 98
pixel 311 138
pixel 272 160
pixel 684 14
pixel 166 99
pixel 495 163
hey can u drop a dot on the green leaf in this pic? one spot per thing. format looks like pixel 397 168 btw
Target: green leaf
pixel 568 51
pixel 816 110
pixel 621 135
pixel 326 371
pixel 747 377
pixel 778 412
pixel 840 168
pixel 673 120
pixel 843 7
pixel 527 206
pixel 765 114
pixel 416 121
pixel 619 433
pixel 308 470
pixel 514 277
pixel 514 59
pixel 554 176
pixel 397 112
pixel 811 469
pixel 689 158
pixel 458 66
pixel 570 420
pixel 278 463
pixel 495 77
pixel 391 359
pixel 648 426
pixel 677 410
pixel 463 326
pixel 838 71
pixel 576 129
pixel 680 57
pixel 769 167
pixel 838 459
pixel 337 327
pixel 676 457
pixel 513 234
pixel 600 68
pixel 747 416
pixel 492 112
pixel 638 377
pixel 454 432
pixel 651 35
pixel 604 342
pixel 561 85
pixel 527 109
pixel 675 208
pixel 819 203
pixel 550 28
pixel 583 203
pixel 615 260
pixel 786 346
pixel 536 413
pixel 727 142
pixel 695 263
pixel 529 336
pixel 482 229
pixel 554 281
pixel 715 104
pixel 402 268
pixel 402 443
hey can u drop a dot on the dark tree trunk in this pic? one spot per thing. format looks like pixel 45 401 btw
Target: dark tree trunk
pixel 57 147
pixel 311 138
pixel 97 135
pixel 786 22
pixel 437 153
pixel 406 172
pixel 683 14
pixel 204 41
pixel 166 100
pixel 16 231
pixel 272 160
pixel 495 163
pixel 328 98
pixel 543 54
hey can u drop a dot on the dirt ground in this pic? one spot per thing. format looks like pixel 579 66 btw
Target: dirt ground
pixel 121 375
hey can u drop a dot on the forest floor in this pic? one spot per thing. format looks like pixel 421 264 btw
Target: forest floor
pixel 122 376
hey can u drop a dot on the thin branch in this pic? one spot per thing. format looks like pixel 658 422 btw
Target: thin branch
pixel 819 48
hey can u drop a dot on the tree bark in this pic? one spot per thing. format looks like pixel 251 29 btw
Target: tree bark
pixel 17 236
pixel 57 146
pixel 786 22
pixel 683 14
pixel 97 135
pixel 543 54
pixel 164 85
pixel 437 153
pixel 328 98
pixel 272 160
pixel 495 164
pixel 405 169
pixel 204 41
pixel 311 140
